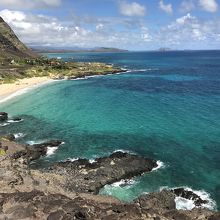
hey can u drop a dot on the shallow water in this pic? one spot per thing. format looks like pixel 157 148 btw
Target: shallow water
pixel 167 107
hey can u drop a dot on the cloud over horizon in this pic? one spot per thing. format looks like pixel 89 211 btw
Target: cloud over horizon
pixel 135 26
pixel 29 4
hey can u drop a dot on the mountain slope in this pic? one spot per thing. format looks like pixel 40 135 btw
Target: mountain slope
pixel 10 45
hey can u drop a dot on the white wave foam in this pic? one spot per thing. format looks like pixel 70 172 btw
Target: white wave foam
pixel 184 204
pixel 19 135
pixel 141 70
pixel 160 164
pixel 72 159
pixel 204 196
pixel 4 124
pixel 123 151
pixel 15 121
pixel 35 142
pixel 122 183
pixel 92 161
pixel 51 150
pixel 93 76
pixel 188 204
pixel 80 78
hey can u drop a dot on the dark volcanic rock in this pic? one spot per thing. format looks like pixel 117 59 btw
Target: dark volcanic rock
pixel 16 119
pixel 84 176
pixel 3 116
pixel 38 205
pixel 44 206
pixel 187 194
pixel 32 194
pixel 34 152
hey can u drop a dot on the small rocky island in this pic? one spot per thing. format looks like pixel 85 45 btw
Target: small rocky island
pixel 69 189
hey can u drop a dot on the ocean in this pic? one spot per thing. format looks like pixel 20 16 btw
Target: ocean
pixel 166 107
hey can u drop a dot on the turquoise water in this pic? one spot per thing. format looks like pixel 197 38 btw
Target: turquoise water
pixel 167 107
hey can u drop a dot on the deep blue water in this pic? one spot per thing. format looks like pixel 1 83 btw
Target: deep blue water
pixel 167 108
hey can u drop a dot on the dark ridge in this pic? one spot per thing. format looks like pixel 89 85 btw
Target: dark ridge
pixel 10 46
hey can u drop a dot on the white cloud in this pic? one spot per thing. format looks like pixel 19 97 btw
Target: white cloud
pixel 187 6
pixel 191 32
pixel 209 5
pixel 166 7
pixel 131 9
pixel 185 19
pixel 79 31
pixel 10 16
pixel 99 26
pixel 29 4
pixel 187 31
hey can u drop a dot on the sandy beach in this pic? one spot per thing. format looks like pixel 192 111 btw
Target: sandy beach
pixel 8 91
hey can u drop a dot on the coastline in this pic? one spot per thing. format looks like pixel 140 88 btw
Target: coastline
pixel 10 90
pixel 21 86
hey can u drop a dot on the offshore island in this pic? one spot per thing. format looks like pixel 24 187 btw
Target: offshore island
pixel 70 189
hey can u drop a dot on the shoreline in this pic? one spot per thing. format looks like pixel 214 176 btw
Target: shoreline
pixel 19 87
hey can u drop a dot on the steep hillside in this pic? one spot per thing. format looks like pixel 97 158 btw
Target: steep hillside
pixel 10 45
pixel 18 61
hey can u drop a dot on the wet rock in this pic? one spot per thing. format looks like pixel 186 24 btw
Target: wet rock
pixel 3 116
pixel 190 195
pixel 16 119
pixel 83 176
pixel 36 151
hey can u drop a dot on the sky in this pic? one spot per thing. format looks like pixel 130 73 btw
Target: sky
pixel 125 24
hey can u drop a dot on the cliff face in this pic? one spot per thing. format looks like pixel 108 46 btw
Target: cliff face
pixel 10 45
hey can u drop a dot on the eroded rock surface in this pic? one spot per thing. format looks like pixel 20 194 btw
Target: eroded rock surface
pixel 44 206
pixel 83 176
pixel 66 190
pixel 3 116
pixel 190 195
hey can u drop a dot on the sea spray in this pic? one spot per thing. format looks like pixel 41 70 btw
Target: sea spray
pixel 189 204
pixel 160 165
pixel 19 135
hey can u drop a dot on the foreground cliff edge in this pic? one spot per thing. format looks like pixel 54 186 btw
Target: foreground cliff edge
pixel 69 189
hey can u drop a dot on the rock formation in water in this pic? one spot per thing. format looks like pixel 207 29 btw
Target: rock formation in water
pixel 3 116
pixel 68 190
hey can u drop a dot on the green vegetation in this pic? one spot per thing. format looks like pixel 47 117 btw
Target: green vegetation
pixel 2 152
pixel 11 70
pixel 17 61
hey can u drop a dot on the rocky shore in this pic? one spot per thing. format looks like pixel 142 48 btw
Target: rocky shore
pixel 69 189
